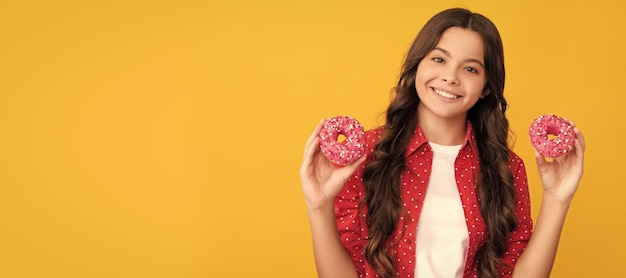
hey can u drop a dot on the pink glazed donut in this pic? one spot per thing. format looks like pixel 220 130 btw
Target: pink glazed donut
pixel 348 151
pixel 552 135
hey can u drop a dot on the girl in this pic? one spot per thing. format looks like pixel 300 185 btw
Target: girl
pixel 439 192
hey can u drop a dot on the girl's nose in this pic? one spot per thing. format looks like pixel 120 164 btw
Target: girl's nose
pixel 451 79
pixel 449 75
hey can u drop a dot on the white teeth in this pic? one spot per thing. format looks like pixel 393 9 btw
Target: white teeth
pixel 446 94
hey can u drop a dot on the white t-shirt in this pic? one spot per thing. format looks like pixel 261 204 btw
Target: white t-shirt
pixel 442 235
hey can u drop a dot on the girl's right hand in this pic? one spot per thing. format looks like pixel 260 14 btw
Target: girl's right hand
pixel 321 181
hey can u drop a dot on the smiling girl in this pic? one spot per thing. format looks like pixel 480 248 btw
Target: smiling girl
pixel 439 192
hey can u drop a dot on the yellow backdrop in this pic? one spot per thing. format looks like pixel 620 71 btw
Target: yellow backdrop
pixel 163 138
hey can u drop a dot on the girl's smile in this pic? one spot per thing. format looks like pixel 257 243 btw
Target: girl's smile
pixel 445 94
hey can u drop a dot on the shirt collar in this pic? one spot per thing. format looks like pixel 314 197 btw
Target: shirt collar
pixel 419 139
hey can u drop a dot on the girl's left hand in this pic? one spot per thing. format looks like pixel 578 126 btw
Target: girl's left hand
pixel 561 176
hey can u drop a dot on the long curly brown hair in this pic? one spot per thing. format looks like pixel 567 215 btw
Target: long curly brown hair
pixel 491 128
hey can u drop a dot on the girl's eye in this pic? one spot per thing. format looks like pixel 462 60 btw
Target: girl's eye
pixel 438 60
pixel 471 69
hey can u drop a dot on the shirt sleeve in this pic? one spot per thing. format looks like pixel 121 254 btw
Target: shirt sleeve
pixel 350 211
pixel 520 236
pixel 349 222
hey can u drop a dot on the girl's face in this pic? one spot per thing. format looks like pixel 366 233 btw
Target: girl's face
pixel 451 78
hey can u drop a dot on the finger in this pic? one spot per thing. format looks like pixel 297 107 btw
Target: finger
pixel 578 136
pixel 312 148
pixel 580 147
pixel 352 167
pixel 349 169
pixel 580 139
pixel 313 135
pixel 540 160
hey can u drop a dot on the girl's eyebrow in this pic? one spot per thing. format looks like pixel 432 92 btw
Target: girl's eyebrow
pixel 447 53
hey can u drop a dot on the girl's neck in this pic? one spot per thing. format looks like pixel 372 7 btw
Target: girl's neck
pixel 443 131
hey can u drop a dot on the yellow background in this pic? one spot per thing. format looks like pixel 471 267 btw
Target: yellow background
pixel 163 138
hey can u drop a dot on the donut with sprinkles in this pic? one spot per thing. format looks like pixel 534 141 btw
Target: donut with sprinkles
pixel 347 151
pixel 552 136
